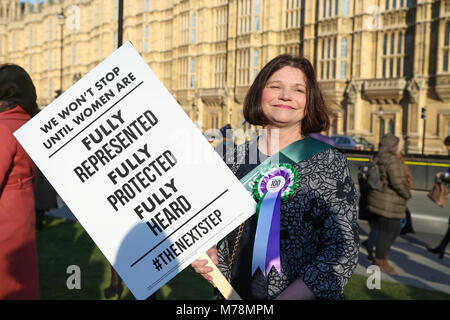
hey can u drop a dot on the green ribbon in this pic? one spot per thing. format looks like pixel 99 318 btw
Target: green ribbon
pixel 295 152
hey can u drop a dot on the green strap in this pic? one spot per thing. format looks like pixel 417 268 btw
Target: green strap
pixel 293 153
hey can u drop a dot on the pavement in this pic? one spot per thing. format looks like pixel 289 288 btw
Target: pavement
pixel 415 265
pixel 408 256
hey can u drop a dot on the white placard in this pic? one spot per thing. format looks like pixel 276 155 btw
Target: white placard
pixel 135 171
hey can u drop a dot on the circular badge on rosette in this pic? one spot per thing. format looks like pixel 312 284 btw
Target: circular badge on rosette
pixel 276 183
pixel 279 177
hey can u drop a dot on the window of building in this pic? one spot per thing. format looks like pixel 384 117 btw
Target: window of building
pixel 345 7
pixel 219 71
pixel 244 67
pixel 50 60
pixel 255 63
pixel 30 63
pixel 292 14
pixel 257 14
pixel 343 67
pixel 387 5
pixel 31 36
pixel 214 121
pixel 146 38
pixel 244 16
pixel 168 35
pixel 446 47
pixel 115 40
pixel 147 5
pixel 50 88
pixel 406 56
pixel 221 24
pixel 391 126
pixel 336 7
pixel 393 58
pixel 74 54
pixel 185 28
pixel 194 28
pixel 192 77
pixel 184 73
pixel 50 29
pixel 116 8
pixel 328 60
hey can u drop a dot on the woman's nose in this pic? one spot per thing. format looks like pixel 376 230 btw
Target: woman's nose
pixel 285 94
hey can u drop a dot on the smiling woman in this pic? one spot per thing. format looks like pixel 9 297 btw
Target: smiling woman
pixel 303 241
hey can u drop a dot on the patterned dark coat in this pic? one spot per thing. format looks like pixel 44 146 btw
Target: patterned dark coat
pixel 391 202
pixel 319 239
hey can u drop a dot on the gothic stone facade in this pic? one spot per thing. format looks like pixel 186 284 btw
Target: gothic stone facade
pixel 379 62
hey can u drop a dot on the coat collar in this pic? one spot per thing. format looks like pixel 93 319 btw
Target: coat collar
pixel 16 113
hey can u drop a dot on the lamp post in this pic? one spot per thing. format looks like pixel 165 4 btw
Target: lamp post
pixel 380 115
pixel 120 25
pixel 424 117
pixel 61 17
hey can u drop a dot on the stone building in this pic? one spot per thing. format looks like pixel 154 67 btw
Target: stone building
pixel 379 62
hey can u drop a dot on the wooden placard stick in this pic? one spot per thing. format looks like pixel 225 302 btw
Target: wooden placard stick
pixel 220 281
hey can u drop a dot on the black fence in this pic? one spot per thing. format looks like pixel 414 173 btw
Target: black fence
pixel 423 168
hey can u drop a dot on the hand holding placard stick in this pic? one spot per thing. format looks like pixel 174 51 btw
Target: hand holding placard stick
pixel 220 281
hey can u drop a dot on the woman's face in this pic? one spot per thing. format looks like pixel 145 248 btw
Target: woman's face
pixel 283 99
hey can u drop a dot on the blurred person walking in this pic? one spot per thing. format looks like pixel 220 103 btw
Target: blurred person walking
pixel 445 178
pixel 19 277
pixel 388 204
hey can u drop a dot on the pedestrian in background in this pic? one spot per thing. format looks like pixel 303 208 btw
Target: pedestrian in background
pixel 388 204
pixel 444 177
pixel 19 277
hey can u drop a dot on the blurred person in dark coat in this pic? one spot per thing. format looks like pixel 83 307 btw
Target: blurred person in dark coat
pixel 389 204
pixel 19 277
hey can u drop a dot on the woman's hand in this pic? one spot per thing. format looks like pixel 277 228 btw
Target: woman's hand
pixel 201 268
pixel 439 175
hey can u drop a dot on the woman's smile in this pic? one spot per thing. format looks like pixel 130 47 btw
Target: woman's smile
pixel 283 106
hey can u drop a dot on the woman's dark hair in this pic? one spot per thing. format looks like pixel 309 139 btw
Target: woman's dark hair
pixel 447 141
pixel 316 112
pixel 17 88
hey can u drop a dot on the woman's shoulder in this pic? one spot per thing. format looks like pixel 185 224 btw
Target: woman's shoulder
pixel 331 156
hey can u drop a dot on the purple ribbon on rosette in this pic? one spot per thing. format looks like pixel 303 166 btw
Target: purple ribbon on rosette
pixel 277 183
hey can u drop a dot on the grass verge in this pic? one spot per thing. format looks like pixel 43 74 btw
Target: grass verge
pixel 63 243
